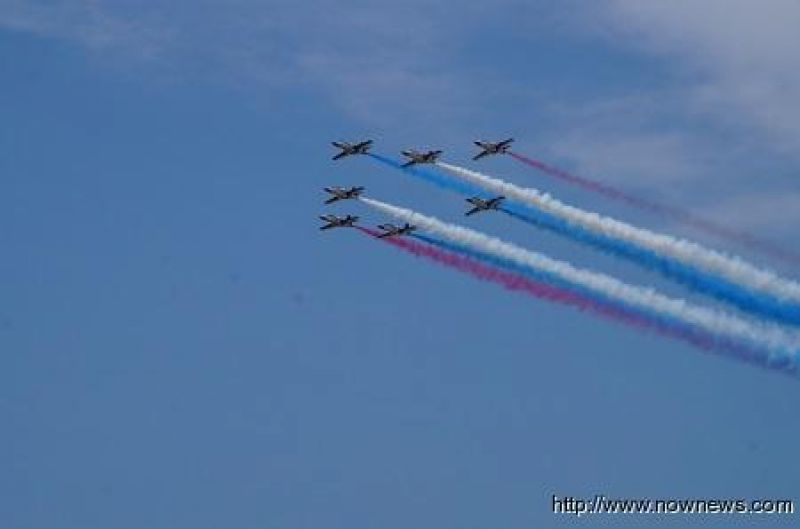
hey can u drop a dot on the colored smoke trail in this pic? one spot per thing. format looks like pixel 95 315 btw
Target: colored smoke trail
pixel 779 346
pixel 671 212
pixel 433 177
pixel 585 183
pixel 695 279
pixel 762 290
pixel 585 302
pixel 663 262
pixel 470 264
pixel 450 257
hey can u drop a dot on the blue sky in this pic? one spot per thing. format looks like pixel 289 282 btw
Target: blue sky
pixel 182 348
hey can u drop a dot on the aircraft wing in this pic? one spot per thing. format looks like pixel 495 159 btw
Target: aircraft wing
pixel 332 200
pixel 505 142
pixel 480 155
pixel 340 155
pixel 363 144
pixel 472 211
pixel 409 163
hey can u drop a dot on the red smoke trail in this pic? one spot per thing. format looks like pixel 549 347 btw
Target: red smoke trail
pixel 677 214
pixel 515 282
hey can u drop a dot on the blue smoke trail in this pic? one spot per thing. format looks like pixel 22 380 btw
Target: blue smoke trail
pixel 684 274
pixel 532 273
pixel 734 349
pixel 433 177
pixel 689 276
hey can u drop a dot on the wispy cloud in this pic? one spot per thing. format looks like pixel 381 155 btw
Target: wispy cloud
pixel 391 56
pixel 88 23
pixel 739 58
pixel 649 144
pixel 771 210
pixel 627 140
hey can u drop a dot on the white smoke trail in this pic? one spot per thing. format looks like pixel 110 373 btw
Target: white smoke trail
pixel 731 268
pixel 777 340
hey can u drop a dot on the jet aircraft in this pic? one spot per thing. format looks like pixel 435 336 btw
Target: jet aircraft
pixel 480 204
pixel 333 221
pixel 348 149
pixel 489 148
pixel 416 157
pixel 341 193
pixel 390 230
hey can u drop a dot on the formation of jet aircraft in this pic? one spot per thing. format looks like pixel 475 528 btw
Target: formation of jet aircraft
pixel 414 157
pixel 480 204
pixel 341 193
pixel 489 148
pixel 420 157
pixel 348 149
